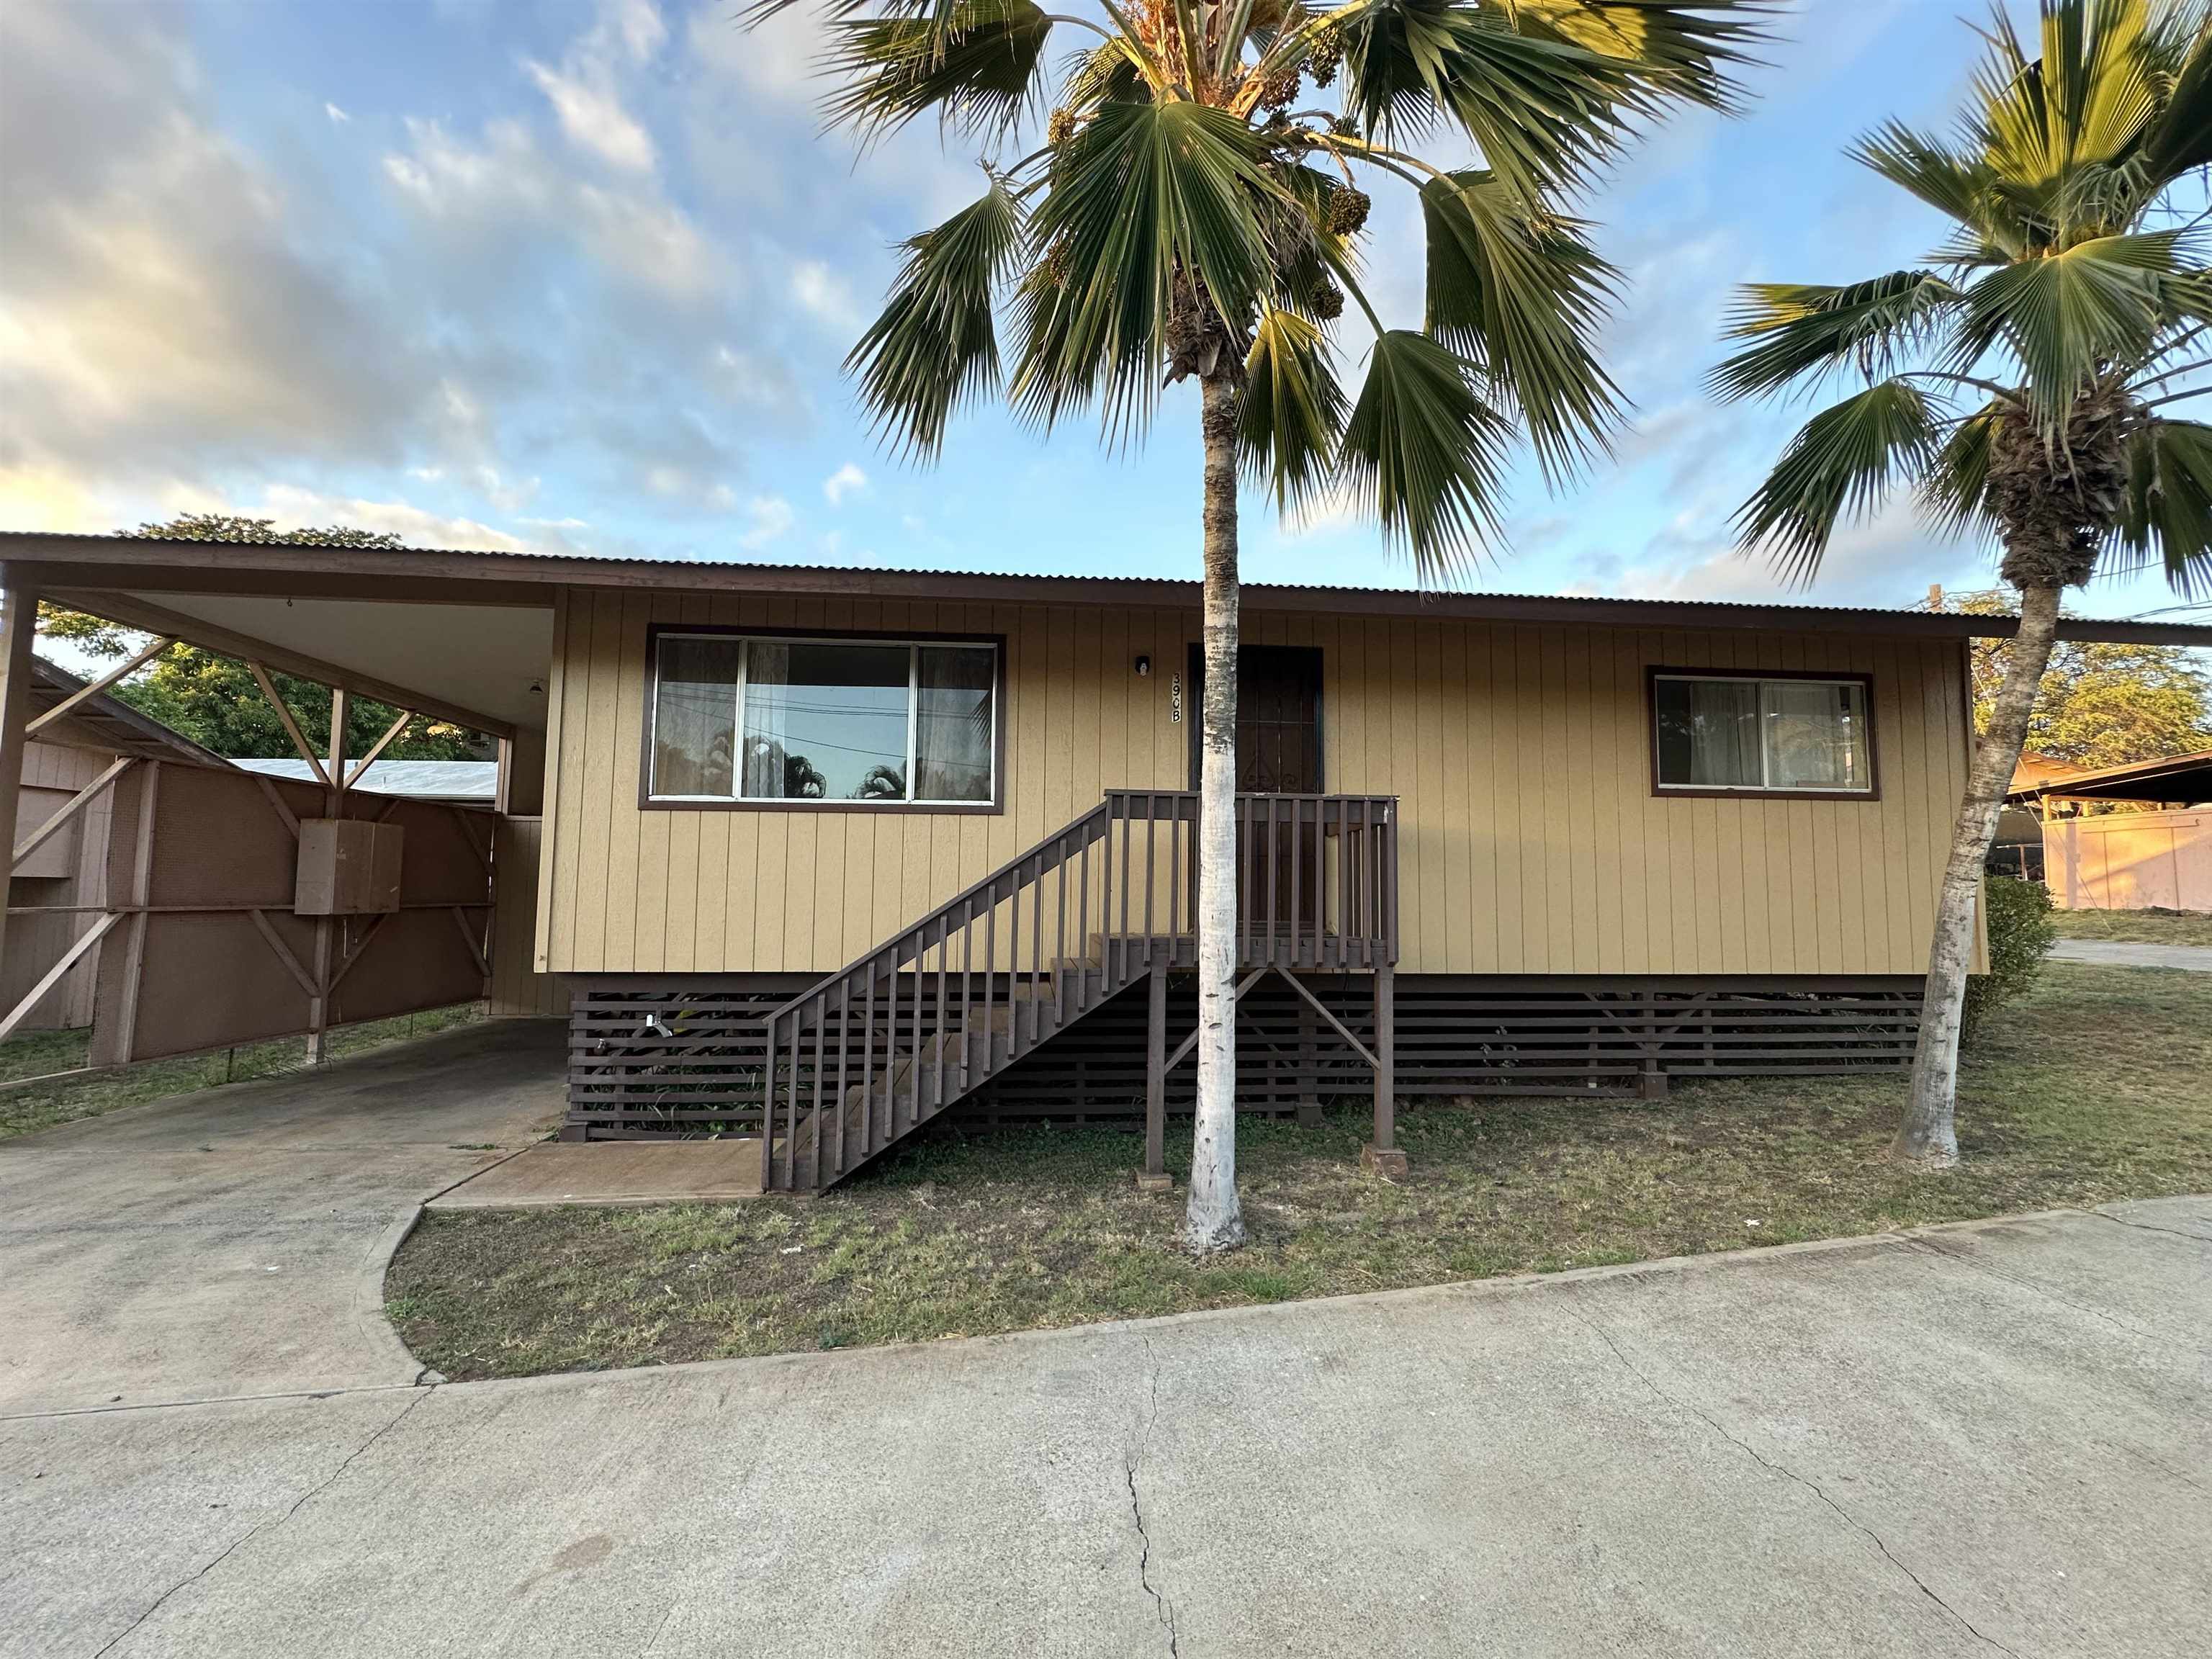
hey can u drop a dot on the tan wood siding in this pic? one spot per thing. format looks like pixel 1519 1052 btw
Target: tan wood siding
pixel 517 992
pixel 1521 754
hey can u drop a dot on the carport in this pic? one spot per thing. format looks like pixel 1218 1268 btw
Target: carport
pixel 206 938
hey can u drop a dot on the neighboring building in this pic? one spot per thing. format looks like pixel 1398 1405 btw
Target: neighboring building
pixel 58 890
pixel 415 780
pixel 879 844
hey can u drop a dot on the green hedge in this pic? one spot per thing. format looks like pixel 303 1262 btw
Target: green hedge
pixel 2020 932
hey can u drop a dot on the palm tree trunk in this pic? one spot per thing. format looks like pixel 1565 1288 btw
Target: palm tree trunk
pixel 1926 1135
pixel 1213 1221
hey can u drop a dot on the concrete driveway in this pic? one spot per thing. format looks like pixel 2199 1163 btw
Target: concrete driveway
pixel 1981 1440
pixel 2117 953
pixel 232 1242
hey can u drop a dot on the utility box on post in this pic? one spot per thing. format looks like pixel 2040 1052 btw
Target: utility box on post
pixel 348 867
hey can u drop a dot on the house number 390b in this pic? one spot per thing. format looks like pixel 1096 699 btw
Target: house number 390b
pixel 1175 699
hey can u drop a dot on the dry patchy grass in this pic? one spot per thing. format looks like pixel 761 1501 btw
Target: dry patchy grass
pixel 2094 1088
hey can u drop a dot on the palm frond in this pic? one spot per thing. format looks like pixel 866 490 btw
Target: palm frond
pixel 976 65
pixel 1810 328
pixel 1144 195
pixel 2167 517
pixel 2066 315
pixel 1517 290
pixel 1425 452
pixel 1292 414
pixel 2180 140
pixel 1685 51
pixel 1952 489
pixel 1842 461
pixel 1959 186
pixel 1541 111
pixel 935 347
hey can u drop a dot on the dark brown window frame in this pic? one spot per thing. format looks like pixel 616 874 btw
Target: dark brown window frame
pixel 1653 675
pixel 996 807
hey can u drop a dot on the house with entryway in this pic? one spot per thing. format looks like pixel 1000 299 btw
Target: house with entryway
pixel 816 855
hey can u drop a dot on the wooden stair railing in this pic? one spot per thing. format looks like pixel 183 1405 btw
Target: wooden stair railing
pixel 868 1054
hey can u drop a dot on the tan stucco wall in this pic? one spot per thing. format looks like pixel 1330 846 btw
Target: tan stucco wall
pixel 1531 841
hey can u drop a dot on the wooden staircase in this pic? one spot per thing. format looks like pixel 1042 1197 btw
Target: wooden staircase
pixel 867 1054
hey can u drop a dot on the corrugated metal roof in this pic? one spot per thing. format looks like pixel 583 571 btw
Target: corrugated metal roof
pixel 421 780
pixel 1784 610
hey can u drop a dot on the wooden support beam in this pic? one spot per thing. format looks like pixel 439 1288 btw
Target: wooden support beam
pixel 1382 1154
pixel 359 951
pixel 1183 1050
pixel 53 975
pixel 91 689
pixel 1321 1008
pixel 19 628
pixel 379 746
pixel 135 613
pixel 334 774
pixel 298 970
pixel 277 804
pixel 69 809
pixel 115 1038
pixel 291 725
pixel 468 938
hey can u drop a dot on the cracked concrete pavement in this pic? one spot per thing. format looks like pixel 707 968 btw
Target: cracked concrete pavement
pixel 1989 1438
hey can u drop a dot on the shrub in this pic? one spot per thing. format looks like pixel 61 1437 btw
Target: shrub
pixel 2020 932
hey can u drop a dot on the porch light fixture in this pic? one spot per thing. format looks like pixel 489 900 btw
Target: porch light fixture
pixel 1144 666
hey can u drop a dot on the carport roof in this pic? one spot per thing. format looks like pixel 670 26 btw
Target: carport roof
pixel 358 616
pixel 2175 778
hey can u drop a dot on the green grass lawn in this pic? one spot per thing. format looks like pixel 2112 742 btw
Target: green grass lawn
pixel 39 1053
pixel 2097 1086
pixel 2136 926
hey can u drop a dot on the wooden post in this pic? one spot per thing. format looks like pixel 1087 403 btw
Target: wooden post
pixel 334 785
pixel 1153 1177
pixel 1309 1066
pixel 1382 1154
pixel 19 628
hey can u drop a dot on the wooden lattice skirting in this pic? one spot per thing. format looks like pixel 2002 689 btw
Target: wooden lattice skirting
pixel 652 1054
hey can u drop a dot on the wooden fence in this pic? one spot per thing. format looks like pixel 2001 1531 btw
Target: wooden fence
pixel 2130 861
pixel 201 949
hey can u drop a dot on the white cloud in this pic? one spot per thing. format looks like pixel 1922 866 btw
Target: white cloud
pixel 769 517
pixel 293 507
pixel 847 480
pixel 592 118
pixel 339 117
pixel 826 295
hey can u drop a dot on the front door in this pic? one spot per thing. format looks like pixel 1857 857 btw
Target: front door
pixel 1278 717
pixel 1278 753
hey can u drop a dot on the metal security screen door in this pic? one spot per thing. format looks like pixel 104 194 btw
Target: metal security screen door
pixel 1278 717
pixel 1278 753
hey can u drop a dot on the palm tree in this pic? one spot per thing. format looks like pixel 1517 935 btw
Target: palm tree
pixel 1185 214
pixel 2020 382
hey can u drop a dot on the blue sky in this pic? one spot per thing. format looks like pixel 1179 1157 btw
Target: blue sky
pixel 577 275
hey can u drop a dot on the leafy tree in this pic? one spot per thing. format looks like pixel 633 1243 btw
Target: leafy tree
pixel 2022 381
pixel 1195 209
pixel 215 701
pixel 2098 703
